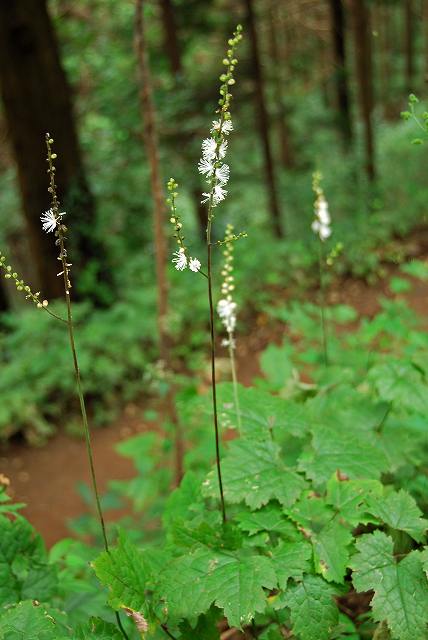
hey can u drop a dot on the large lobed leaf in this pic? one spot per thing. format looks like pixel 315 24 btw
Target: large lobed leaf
pixel 24 569
pixel 400 588
pixel 314 613
pixel 232 581
pixel 125 573
pixel 253 473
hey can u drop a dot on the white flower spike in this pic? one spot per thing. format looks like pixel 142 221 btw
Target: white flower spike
pixel 180 260
pixel 321 225
pixel 50 221
pixel 194 264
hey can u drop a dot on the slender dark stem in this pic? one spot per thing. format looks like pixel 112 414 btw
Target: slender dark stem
pixel 67 286
pixel 323 304
pixel 51 313
pixel 83 411
pixel 168 632
pixel 213 374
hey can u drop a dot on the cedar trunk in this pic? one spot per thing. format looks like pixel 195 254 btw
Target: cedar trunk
pixel 263 120
pixel 286 153
pixel 338 30
pixel 364 73
pixel 37 99
pixel 171 42
pixel 408 44
pixel 151 143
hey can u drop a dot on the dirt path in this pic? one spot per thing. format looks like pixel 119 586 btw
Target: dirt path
pixel 46 478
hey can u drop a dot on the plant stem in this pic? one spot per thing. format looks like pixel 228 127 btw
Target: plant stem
pixel 235 381
pixel 323 304
pixel 213 374
pixel 67 286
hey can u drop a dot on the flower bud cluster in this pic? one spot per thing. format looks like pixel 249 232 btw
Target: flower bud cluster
pixel 214 149
pixel 226 307
pixel 321 224
pixel 52 219
pixel 10 274
pixel 180 259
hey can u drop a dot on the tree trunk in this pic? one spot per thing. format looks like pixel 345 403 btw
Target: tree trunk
pixel 364 74
pixel 263 120
pixel 344 119
pixel 286 153
pixel 408 44
pixel 151 142
pixel 37 99
pixel 171 42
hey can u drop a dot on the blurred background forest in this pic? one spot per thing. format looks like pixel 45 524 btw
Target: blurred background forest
pixel 320 86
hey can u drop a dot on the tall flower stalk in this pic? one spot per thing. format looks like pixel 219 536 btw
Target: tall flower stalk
pixel 321 227
pixel 226 309
pixel 213 151
pixel 216 173
pixel 52 222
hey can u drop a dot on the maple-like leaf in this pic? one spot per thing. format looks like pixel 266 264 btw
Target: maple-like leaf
pixel 314 613
pixel 253 473
pixel 232 581
pixel 400 588
pixel 400 511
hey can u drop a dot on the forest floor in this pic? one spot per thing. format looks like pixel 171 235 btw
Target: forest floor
pixel 45 478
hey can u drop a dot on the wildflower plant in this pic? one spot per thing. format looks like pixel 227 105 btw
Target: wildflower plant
pixel 321 226
pixel 216 173
pixel 52 222
pixel 226 309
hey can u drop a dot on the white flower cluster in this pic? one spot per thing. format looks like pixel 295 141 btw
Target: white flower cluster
pixel 211 166
pixel 50 220
pixel 321 224
pixel 182 262
pixel 226 309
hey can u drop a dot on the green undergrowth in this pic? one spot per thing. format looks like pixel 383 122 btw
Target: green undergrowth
pixel 326 492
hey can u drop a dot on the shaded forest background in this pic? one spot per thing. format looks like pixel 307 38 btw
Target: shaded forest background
pixel 321 85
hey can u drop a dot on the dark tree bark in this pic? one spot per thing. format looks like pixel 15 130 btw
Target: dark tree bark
pixel 338 29
pixel 171 43
pixel 263 120
pixel 151 143
pixel 286 152
pixel 364 74
pixel 408 44
pixel 37 99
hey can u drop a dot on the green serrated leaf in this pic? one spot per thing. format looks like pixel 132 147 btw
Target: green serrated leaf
pixel 124 571
pixel 329 536
pixel 261 412
pixel 291 560
pixel 232 581
pixel 24 569
pixel 349 498
pixel 402 384
pixel 401 588
pixel 270 518
pixel 27 621
pixel 400 511
pixel 343 450
pixel 314 613
pixel 254 474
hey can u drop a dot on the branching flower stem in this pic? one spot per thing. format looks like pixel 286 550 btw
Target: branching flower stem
pixel 60 233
